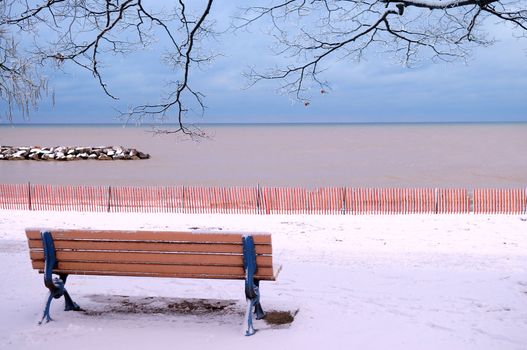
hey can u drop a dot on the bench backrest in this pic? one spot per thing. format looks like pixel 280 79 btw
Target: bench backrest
pixel 149 253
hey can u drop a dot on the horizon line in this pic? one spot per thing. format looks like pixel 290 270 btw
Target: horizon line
pixel 190 124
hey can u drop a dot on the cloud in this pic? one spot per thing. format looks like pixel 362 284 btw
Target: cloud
pixel 493 86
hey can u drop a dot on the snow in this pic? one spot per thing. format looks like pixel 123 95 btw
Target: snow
pixel 354 282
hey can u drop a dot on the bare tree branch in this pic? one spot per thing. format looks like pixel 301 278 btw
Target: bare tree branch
pixel 309 34
pixel 87 31
pixel 21 83
pixel 439 4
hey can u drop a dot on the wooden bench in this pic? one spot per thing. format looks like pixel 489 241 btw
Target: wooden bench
pixel 153 254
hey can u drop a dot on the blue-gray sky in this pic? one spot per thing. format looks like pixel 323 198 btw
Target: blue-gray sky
pixel 492 87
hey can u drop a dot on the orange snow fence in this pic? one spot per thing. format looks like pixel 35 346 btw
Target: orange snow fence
pixel 500 201
pixel 286 200
pixel 453 201
pixel 148 199
pixel 390 200
pixel 71 198
pixel 224 200
pixel 263 200
pixel 14 196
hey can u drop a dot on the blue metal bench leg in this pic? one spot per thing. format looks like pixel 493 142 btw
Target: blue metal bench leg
pixel 249 316
pixel 253 307
pixel 252 290
pixel 258 311
pixel 46 315
pixel 55 285
pixel 69 304
pixel 56 293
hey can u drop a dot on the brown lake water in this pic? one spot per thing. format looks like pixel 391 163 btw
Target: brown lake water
pixel 398 155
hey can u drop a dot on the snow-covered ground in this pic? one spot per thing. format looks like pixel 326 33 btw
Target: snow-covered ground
pixel 354 282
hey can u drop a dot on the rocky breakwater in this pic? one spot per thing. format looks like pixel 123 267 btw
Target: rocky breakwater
pixel 63 153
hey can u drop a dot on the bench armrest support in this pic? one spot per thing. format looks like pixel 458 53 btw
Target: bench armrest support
pixel 55 285
pixel 252 285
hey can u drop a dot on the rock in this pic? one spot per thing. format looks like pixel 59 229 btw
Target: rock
pixel 85 149
pixel 93 156
pixel 104 157
pixel 142 155
pixel 20 154
pixel 71 157
pixel 34 156
pixel 71 152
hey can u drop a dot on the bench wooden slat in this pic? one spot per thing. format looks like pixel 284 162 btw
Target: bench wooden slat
pixel 153 258
pixel 142 274
pixel 150 246
pixel 112 235
pixel 264 273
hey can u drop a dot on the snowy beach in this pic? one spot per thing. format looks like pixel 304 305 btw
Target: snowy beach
pixel 352 282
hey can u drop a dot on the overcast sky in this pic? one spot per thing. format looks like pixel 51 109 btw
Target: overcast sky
pixel 492 87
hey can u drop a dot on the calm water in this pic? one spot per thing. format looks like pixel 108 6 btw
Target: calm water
pixel 414 155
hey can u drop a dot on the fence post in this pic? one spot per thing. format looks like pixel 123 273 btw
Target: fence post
pixel 351 202
pixel 182 199
pixel 109 197
pixel 436 200
pixel 470 194
pixel 343 210
pixel 29 196
pixel 258 204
